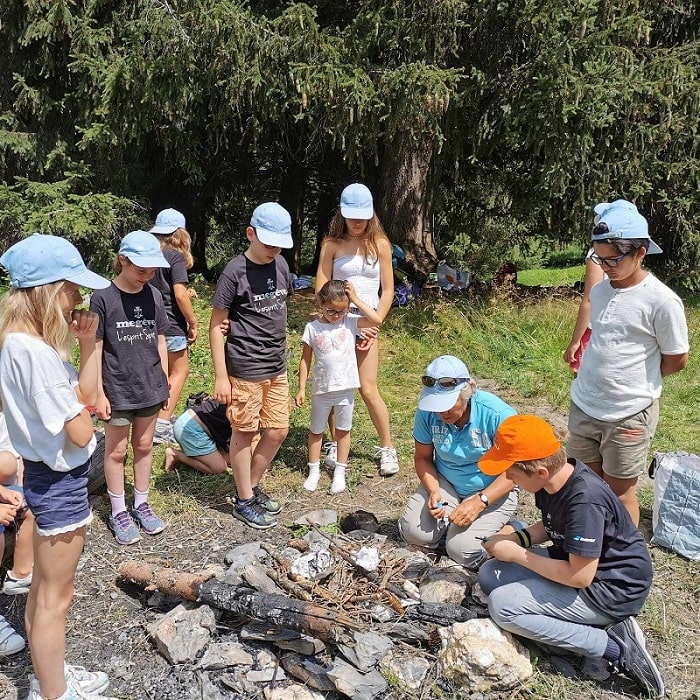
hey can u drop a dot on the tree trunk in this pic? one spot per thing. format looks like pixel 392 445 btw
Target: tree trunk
pixel 292 191
pixel 405 206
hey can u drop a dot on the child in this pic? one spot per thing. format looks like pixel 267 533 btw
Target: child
pixel 251 370
pixel 331 341
pixel 133 360
pixel 181 332
pixel 204 434
pixel 596 573
pixel 44 402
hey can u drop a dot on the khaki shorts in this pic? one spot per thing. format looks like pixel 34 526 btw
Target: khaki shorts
pixel 622 447
pixel 263 404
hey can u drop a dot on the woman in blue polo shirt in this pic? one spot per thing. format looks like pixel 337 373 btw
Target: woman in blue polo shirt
pixel 454 426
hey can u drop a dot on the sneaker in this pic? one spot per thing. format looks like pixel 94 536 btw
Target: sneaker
pixel 16 586
pixel 10 641
pixel 148 520
pixel 124 528
pixel 635 661
pixel 388 461
pixel 74 692
pixel 331 449
pixel 253 514
pixel 80 678
pixel 163 433
pixel 270 505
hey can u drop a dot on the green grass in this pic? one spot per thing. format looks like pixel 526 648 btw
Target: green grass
pixel 552 277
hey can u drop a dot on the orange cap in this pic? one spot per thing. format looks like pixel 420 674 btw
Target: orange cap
pixel 519 438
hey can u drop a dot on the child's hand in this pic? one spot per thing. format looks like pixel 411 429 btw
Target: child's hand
pixel 103 408
pixel 83 324
pixel 191 334
pixel 225 327
pixel 7 513
pixel 300 398
pixel 222 391
pixel 10 496
pixel 350 291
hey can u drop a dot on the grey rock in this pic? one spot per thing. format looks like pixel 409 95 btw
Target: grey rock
pixel 565 668
pixel 225 654
pixel 318 517
pixel 182 633
pixel 292 692
pixel 410 670
pixel 210 691
pixel 368 650
pixel 238 558
pixel 282 638
pixel 307 671
pixel 255 575
pixel 446 585
pixel 358 686
pixel 267 675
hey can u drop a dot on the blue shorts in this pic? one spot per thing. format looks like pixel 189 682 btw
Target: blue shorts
pixel 176 343
pixel 59 500
pixel 193 439
pixel 20 513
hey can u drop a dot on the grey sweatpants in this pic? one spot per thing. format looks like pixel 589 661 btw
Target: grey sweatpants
pixel 536 608
pixel 418 526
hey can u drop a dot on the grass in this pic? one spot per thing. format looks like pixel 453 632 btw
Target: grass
pixel 552 277
pixel 515 350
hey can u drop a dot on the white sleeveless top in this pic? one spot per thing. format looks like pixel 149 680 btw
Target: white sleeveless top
pixel 364 275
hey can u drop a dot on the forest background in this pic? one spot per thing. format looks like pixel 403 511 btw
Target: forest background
pixel 486 129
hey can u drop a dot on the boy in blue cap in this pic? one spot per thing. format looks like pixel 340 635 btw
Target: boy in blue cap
pixel 250 366
pixel 638 336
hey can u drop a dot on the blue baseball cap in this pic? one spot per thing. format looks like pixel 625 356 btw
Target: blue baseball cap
pixel 168 221
pixel 623 221
pixel 356 202
pixel 273 225
pixel 142 249
pixel 42 258
pixel 437 398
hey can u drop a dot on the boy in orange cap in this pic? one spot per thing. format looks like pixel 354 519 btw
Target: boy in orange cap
pixel 596 572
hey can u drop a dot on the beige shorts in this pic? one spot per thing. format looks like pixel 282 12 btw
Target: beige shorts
pixel 262 404
pixel 622 447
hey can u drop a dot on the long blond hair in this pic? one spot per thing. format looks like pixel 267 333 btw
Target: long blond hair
pixel 37 311
pixel 374 232
pixel 180 241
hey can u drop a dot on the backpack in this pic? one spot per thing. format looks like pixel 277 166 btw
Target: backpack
pixel 676 513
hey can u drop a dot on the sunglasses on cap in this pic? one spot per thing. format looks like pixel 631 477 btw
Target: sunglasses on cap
pixel 443 382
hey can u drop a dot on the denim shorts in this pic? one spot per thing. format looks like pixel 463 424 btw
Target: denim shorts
pixel 193 439
pixel 59 500
pixel 176 343
pixel 20 513
pixel 126 417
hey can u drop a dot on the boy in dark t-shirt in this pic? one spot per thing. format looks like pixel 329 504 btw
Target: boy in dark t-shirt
pixel 596 573
pixel 250 366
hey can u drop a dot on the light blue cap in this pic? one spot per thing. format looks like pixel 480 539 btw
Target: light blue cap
pixel 43 258
pixel 623 222
pixel 142 249
pixel 168 221
pixel 435 398
pixel 273 225
pixel 356 202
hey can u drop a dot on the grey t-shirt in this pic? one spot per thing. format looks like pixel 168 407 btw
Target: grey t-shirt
pixel 132 373
pixel 255 297
pixel 164 281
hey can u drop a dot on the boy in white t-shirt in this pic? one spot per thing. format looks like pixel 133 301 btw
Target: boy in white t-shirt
pixel 639 335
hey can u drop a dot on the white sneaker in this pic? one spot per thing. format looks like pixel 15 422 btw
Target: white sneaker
pixel 10 641
pixel 388 461
pixel 331 449
pixel 74 692
pixel 80 679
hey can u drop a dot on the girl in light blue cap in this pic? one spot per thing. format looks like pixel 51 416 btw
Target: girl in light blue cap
pixel 45 401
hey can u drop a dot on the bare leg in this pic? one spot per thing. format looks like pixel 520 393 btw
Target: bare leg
pixel 626 491
pixel 116 441
pixel 142 443
pixel 212 463
pixel 56 559
pixel 178 369
pixel 314 445
pixel 265 451
pixel 368 366
pixel 23 559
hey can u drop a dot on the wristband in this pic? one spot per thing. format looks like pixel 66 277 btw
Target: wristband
pixel 524 539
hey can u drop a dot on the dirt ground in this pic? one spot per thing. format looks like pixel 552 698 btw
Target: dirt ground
pixel 107 619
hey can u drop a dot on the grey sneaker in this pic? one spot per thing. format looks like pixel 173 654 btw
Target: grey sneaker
pixel 331 450
pixel 253 514
pixel 148 520
pixel 635 661
pixel 10 641
pixel 163 433
pixel 124 528
pixel 272 506
pixel 16 586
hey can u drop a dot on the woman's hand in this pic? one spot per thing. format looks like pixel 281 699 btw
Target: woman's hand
pixel 467 512
pixel 436 505
pixel 83 324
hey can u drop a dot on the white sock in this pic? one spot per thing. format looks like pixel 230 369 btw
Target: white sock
pixel 338 483
pixel 117 501
pixel 140 497
pixel 311 483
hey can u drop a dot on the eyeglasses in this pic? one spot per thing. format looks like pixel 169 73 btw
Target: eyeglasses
pixel 335 312
pixel 443 382
pixel 608 262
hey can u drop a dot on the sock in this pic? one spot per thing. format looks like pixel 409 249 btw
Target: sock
pixel 117 501
pixel 338 483
pixel 612 650
pixel 311 483
pixel 140 497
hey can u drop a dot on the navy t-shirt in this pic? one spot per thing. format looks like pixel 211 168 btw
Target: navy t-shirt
pixel 213 416
pixel 164 281
pixel 129 326
pixel 255 297
pixel 587 519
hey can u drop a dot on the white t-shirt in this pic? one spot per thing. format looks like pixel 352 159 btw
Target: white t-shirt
pixel 38 398
pixel 620 373
pixel 333 345
pixel 5 443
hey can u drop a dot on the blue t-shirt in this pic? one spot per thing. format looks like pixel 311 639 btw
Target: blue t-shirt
pixel 457 450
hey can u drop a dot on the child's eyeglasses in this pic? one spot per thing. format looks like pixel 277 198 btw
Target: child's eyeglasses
pixel 335 312
pixel 609 262
pixel 443 382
